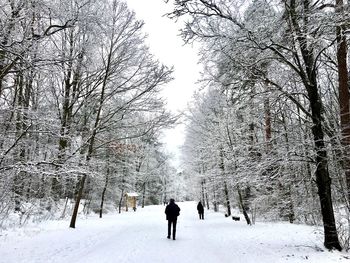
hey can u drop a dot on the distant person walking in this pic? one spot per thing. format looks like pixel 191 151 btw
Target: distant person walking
pixel 200 209
pixel 172 211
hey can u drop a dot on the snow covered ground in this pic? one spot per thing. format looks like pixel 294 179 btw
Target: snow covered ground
pixel 141 237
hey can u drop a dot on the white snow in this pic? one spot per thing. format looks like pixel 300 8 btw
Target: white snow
pixel 132 194
pixel 141 237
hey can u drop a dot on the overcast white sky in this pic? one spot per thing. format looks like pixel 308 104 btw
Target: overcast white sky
pixel 166 44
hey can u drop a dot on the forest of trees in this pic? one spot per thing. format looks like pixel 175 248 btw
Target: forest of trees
pixel 80 109
pixel 270 130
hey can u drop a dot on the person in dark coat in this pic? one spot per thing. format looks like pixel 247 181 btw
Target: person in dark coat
pixel 172 211
pixel 200 209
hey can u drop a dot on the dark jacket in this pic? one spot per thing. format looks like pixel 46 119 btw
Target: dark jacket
pixel 172 211
pixel 200 208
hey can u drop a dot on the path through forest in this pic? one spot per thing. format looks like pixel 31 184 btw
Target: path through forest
pixel 141 237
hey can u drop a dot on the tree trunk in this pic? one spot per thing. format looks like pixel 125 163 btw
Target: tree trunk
pixel 77 202
pixel 309 78
pixel 227 198
pixel 206 194
pixel 103 194
pixel 324 182
pixel 291 214
pixel 203 194
pixel 323 179
pixel 267 112
pixel 206 197
pixel 19 105
pixel 143 194
pixel 121 201
pixel 226 194
pixel 287 185
pixel 344 96
pixel 244 211
pixel 215 204
pixel 164 192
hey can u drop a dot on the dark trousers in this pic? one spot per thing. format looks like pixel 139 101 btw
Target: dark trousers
pixel 172 222
pixel 201 215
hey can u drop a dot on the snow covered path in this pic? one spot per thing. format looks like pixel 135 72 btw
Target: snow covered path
pixel 141 237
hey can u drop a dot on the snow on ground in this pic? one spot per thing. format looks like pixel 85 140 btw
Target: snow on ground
pixel 141 237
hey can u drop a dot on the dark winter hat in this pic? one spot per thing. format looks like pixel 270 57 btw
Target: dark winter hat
pixel 172 200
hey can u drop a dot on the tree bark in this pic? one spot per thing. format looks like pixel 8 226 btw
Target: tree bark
pixel 226 194
pixel 288 185
pixel 77 201
pixel 244 211
pixel 206 197
pixel 103 195
pixel 268 136
pixel 344 97
pixel 121 201
pixel 227 198
pixel 203 194
pixel 143 194
pixel 21 130
pixel 323 180
pixel 215 204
